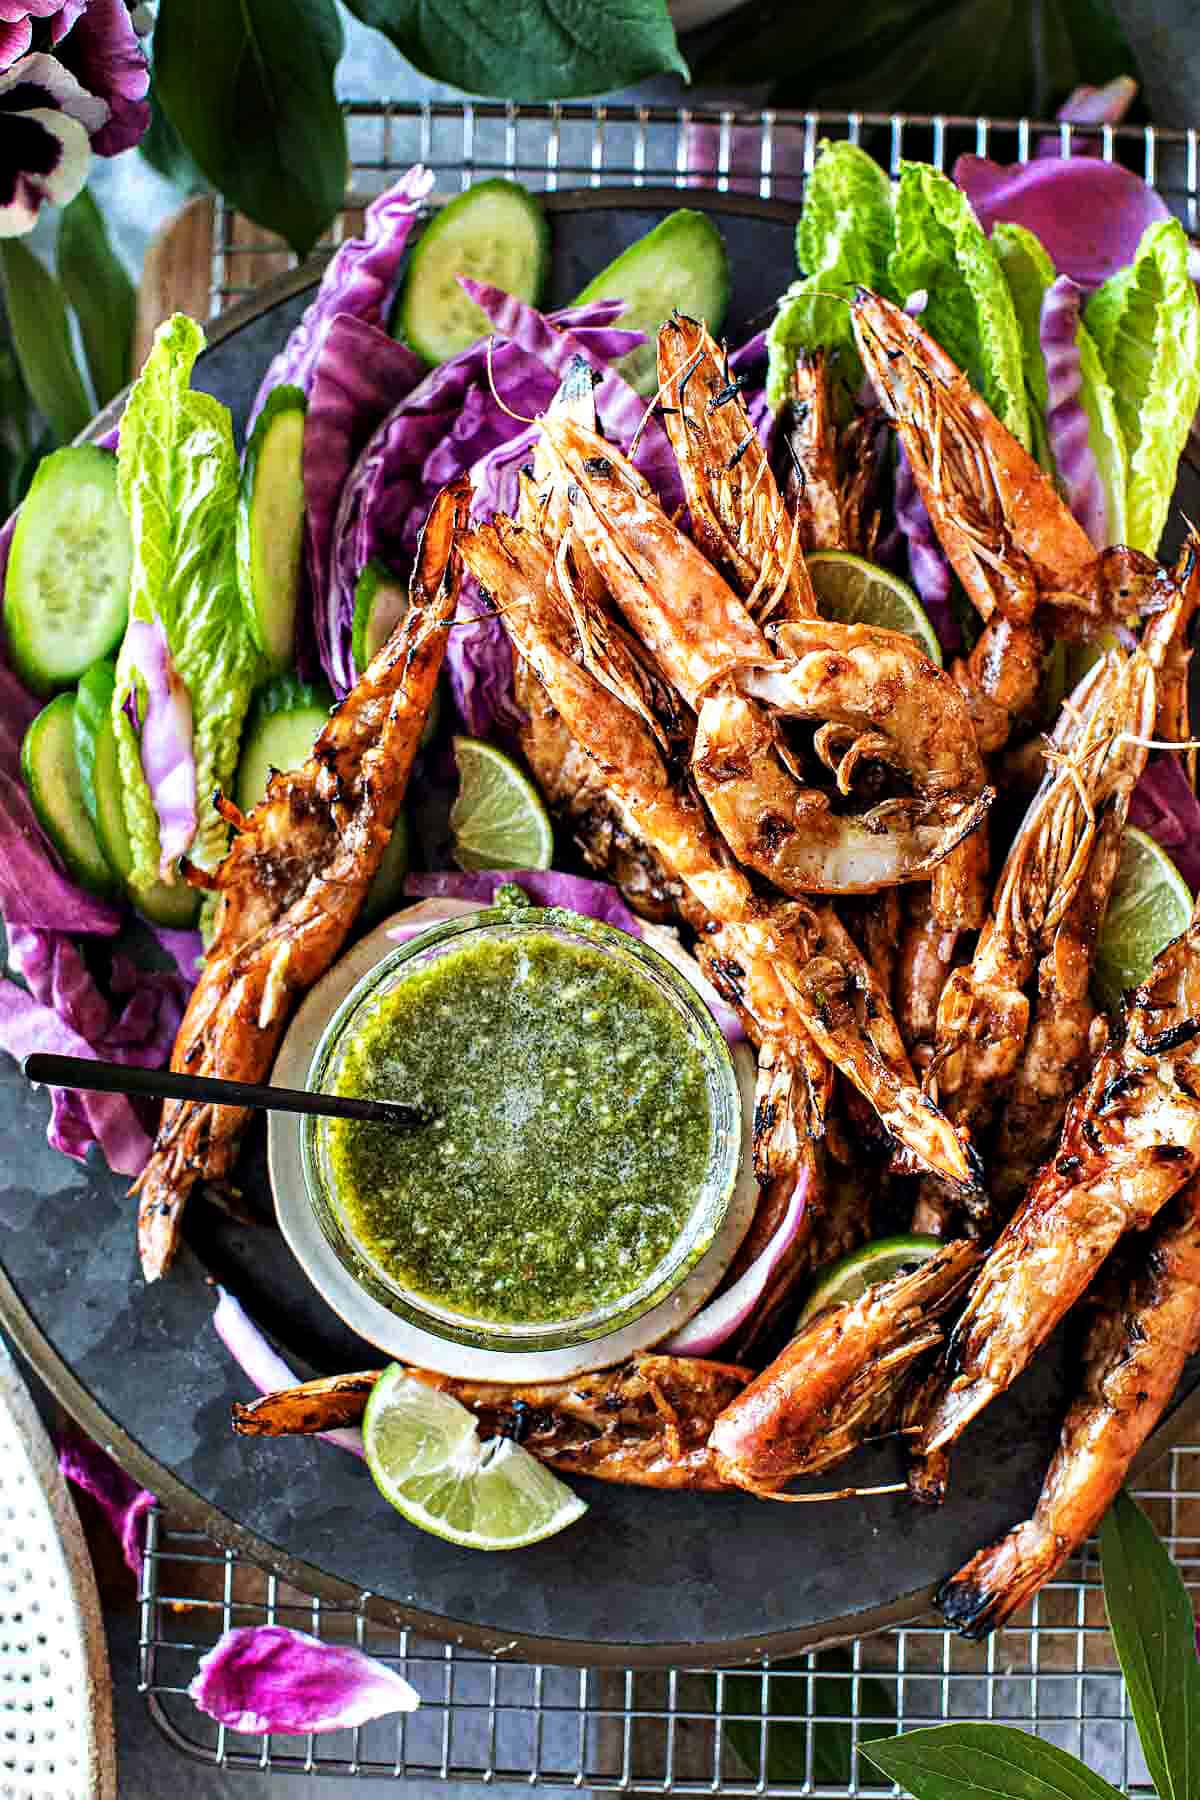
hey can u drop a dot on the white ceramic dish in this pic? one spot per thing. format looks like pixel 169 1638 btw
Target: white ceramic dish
pixel 397 1336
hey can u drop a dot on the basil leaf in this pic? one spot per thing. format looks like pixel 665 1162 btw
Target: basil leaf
pixel 959 1762
pixel 41 335
pixel 1150 1617
pixel 95 282
pixel 530 49
pixel 248 85
pixel 787 1740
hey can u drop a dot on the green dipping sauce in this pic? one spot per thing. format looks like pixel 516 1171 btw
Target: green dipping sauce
pixel 571 1140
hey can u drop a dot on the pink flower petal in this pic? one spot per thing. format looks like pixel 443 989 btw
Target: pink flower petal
pixel 271 1678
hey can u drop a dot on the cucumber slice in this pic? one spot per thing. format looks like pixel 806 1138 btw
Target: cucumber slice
pixel 66 597
pixel 270 524
pixel 52 778
pixel 285 718
pixel 495 232
pixel 679 266
pixel 380 602
pixel 171 903
pixel 284 722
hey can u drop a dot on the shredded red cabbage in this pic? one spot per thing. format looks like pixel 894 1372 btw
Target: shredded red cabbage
pixel 359 375
pixel 1089 214
pixel 123 1503
pixel 545 887
pixel 270 1678
pixel 926 562
pixel 360 280
pixel 1066 419
pixel 1165 808
pixel 66 1011
pixel 165 739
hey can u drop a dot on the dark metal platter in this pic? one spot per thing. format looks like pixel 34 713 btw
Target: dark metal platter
pixel 645 1578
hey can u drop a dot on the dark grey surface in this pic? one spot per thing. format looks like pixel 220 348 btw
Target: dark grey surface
pixel 645 1576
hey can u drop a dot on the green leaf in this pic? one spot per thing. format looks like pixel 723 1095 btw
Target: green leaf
pixel 41 334
pixel 530 49
pixel 95 282
pixel 1150 1617
pixel 961 1762
pixel 162 147
pixel 178 476
pixel 248 85
pixel 1146 324
pixel 833 1705
pixel 941 248
pixel 844 237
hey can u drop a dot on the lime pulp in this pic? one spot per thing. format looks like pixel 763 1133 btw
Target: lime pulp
pixel 1149 905
pixel 497 820
pixel 848 1279
pixel 852 591
pixel 424 1451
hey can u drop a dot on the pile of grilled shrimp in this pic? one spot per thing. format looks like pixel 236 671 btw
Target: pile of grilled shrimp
pixel 814 805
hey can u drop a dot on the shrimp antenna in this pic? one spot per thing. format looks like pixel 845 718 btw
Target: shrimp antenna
pixel 504 407
pixel 846 1493
pixel 635 440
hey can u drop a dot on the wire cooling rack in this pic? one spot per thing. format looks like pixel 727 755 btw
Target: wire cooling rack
pixel 765 153
pixel 775 1730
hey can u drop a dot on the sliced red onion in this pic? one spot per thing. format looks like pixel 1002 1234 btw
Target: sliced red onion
pixel 268 1678
pixel 722 1316
pixel 264 1367
pixel 166 739
pixel 1066 418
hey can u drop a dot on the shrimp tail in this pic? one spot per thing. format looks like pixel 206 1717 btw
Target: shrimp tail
pixel 998 1580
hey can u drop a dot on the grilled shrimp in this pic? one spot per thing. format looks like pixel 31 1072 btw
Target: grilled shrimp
pixel 1130 1141
pixel 1027 565
pixel 852 682
pixel 645 1423
pixel 924 958
pixel 840 1380
pixel 786 950
pixel 1049 904
pixel 738 516
pixel 292 885
pixel 832 485
pixel 1132 1358
pixel 1173 723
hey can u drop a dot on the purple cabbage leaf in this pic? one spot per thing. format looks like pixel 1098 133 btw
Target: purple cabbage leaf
pixel 360 280
pixel 1166 809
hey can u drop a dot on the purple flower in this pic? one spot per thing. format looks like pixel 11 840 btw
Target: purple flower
pixel 17 20
pixel 46 118
pixel 101 48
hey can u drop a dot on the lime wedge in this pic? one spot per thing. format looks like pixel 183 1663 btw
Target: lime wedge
pixel 498 820
pixel 848 1279
pixel 856 592
pixel 1150 904
pixel 423 1449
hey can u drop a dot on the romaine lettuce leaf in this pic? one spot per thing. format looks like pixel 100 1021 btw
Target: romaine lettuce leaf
pixel 1146 325
pixel 178 480
pixel 844 238
pixel 940 247
pixel 1030 273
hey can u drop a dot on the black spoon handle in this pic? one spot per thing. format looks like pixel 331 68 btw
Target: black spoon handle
pixel 166 1084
